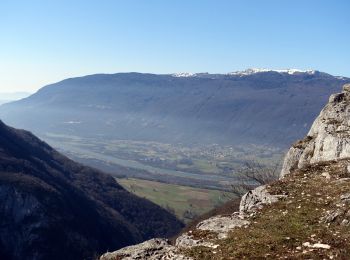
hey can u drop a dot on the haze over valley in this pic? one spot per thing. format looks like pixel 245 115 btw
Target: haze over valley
pixel 195 130
pixel 189 129
pixel 174 130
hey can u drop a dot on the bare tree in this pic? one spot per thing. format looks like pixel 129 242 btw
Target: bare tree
pixel 253 174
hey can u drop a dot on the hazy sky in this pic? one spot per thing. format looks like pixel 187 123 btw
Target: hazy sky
pixel 45 41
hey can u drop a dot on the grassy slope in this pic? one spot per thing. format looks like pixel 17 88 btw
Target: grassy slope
pixel 179 198
pixel 279 230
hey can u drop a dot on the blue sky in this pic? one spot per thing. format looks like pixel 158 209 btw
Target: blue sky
pixel 45 41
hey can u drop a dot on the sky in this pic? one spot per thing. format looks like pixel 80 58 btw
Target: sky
pixel 43 42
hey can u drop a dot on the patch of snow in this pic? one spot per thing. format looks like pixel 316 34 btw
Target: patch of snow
pixel 341 77
pixel 183 75
pixel 257 70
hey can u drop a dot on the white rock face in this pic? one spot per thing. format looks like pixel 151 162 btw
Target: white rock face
pixel 328 138
pixel 222 225
pixel 255 199
pixel 187 241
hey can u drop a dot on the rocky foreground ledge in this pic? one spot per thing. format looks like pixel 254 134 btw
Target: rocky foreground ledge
pixel 304 215
pixel 205 234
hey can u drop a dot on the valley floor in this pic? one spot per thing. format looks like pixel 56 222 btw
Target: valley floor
pixel 186 202
pixel 204 166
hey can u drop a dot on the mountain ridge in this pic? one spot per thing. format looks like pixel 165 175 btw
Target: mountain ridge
pixel 210 108
pixel 249 71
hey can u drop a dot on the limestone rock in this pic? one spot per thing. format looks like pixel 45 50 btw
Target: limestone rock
pixel 328 138
pixel 161 249
pixel 223 224
pixel 218 226
pixel 332 216
pixel 346 87
pixel 291 160
pixel 187 241
pixel 345 197
pixel 339 215
pixel 317 245
pixel 255 199
pixel 154 249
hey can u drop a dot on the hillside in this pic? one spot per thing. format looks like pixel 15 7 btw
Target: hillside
pixel 253 106
pixel 54 208
pixel 12 96
pixel 304 215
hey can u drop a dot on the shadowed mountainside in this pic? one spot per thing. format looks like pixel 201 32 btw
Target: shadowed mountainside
pixel 54 208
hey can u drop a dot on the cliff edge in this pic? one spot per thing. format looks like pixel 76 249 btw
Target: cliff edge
pixel 328 138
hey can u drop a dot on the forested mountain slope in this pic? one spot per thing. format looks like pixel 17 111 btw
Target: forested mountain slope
pixel 54 208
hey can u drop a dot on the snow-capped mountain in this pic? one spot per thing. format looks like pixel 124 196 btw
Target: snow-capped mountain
pixel 247 72
pixel 196 108
pixel 259 70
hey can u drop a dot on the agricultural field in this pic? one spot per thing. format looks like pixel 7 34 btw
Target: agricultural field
pixel 203 166
pixel 186 202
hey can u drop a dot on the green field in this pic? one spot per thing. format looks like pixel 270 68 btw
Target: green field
pixel 186 202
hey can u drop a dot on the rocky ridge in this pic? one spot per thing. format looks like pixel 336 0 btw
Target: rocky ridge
pixel 291 218
pixel 328 138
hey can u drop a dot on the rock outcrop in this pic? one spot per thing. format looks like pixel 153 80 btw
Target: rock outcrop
pixel 214 228
pixel 328 138
pixel 255 199
pixel 154 249
pixel 17 207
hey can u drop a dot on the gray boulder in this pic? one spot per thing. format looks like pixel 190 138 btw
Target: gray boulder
pixel 255 199
pixel 154 249
pixel 222 225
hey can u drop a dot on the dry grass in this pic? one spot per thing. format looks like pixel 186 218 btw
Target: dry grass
pixel 279 230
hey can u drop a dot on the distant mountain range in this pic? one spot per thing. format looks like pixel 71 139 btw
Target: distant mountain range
pixel 54 208
pixel 256 106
